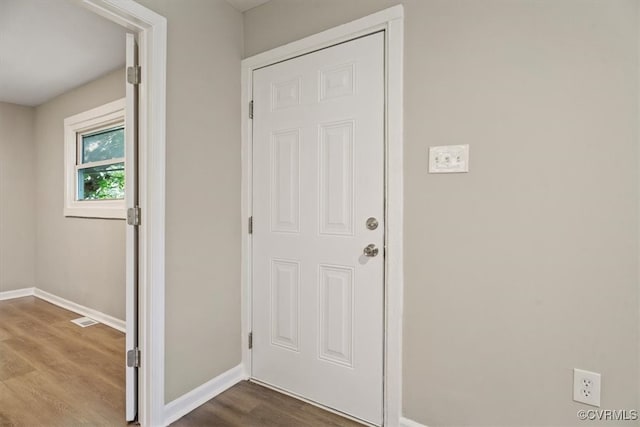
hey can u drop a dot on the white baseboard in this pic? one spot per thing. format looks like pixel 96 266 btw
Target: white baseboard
pixel 186 403
pixel 18 293
pixel 111 321
pixel 406 422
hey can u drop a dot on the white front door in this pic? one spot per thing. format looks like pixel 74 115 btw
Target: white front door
pixel 318 192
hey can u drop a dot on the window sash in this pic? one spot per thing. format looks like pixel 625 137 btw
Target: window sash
pixel 80 189
pixel 79 156
pixel 90 165
pixel 93 131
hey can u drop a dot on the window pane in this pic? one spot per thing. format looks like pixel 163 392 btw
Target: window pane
pixel 101 182
pixel 104 145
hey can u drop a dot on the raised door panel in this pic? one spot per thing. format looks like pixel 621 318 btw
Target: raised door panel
pixel 285 94
pixel 337 81
pixel 336 165
pixel 336 314
pixel 285 181
pixel 285 303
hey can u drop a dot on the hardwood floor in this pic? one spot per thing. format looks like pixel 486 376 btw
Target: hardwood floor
pixel 250 405
pixel 55 373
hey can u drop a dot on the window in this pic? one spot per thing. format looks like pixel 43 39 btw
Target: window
pixel 100 164
pixel 95 162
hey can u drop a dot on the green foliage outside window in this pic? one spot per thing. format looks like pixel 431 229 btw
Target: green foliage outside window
pixel 102 182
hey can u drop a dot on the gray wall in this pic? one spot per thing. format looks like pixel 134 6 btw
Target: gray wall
pixel 17 200
pixel 203 191
pixel 79 259
pixel 527 266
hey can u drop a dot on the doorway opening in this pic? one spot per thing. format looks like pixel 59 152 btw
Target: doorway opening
pixel 151 31
pixel 63 90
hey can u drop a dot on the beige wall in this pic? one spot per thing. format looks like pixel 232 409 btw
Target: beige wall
pixel 527 266
pixel 17 200
pixel 203 191
pixel 78 259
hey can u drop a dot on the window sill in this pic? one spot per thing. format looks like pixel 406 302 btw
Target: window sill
pixel 102 209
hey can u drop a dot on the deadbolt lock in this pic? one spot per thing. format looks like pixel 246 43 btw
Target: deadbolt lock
pixel 372 223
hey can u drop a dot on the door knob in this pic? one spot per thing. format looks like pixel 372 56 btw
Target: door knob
pixel 370 250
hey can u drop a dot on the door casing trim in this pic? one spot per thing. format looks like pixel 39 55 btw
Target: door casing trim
pixel 391 21
pixel 151 29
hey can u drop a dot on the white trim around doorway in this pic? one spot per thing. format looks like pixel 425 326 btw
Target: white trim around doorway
pixel 391 21
pixel 151 29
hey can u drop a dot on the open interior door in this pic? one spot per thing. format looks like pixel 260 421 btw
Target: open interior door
pixel 133 221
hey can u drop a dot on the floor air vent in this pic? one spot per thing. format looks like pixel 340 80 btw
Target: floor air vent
pixel 84 322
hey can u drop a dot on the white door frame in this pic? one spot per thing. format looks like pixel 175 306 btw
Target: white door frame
pixel 152 42
pixel 392 22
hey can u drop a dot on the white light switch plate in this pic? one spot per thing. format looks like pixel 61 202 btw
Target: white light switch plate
pixel 449 159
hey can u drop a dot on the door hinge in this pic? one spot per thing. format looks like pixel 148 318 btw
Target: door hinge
pixel 250 225
pixel 133 75
pixel 251 110
pixel 250 340
pixel 133 358
pixel 133 216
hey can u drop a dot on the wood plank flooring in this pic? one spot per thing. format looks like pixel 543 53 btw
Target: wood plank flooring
pixel 55 373
pixel 250 405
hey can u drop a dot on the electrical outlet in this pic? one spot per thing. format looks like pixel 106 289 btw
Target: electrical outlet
pixel 586 387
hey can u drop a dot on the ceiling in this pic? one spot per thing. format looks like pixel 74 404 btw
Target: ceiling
pixel 48 47
pixel 244 5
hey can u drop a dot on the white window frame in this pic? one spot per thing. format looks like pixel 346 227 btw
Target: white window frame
pixel 104 117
